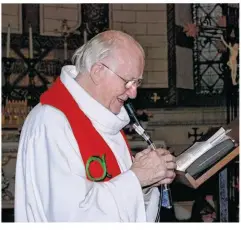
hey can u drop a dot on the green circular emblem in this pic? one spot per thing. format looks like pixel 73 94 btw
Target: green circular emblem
pixel 102 162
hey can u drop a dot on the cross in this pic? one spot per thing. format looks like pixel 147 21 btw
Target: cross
pixel 30 70
pixel 155 97
pixel 31 65
pixel 195 134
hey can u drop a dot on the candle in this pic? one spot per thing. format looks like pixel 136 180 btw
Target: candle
pixel 30 42
pixel 65 50
pixel 8 42
pixel 85 36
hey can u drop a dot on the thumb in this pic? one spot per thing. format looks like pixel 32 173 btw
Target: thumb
pixel 145 151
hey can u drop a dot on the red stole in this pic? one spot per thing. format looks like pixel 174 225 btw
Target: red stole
pixel 100 162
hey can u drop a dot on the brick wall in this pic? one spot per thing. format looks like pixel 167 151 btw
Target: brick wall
pixel 12 14
pixel 147 23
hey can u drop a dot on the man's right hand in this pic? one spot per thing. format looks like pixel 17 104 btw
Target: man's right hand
pixel 154 167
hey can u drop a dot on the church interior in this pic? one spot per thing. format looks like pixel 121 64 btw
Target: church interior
pixel 191 84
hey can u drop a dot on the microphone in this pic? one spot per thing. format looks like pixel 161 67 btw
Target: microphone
pixel 136 124
pixel 139 129
pixel 130 110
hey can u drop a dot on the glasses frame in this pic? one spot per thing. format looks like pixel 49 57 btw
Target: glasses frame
pixel 128 84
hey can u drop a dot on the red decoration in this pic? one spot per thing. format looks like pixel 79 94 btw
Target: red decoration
pixel 191 30
pixel 222 22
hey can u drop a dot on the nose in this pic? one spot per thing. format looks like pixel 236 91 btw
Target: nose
pixel 132 92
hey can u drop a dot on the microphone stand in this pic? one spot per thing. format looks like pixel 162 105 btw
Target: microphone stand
pixel 139 129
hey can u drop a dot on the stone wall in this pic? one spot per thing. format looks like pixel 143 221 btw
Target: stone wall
pixel 147 23
pixel 12 14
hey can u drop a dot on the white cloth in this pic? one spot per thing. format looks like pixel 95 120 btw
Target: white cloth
pixel 50 175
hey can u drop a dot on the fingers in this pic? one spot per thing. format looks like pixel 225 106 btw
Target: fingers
pixel 169 158
pixel 171 174
pixel 171 165
pixel 168 179
pixel 159 152
pixel 154 166
pixel 165 153
pixel 145 151
pixel 142 153
pixel 162 151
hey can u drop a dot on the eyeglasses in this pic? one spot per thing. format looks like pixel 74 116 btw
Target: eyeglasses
pixel 128 84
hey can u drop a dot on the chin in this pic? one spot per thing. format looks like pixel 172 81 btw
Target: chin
pixel 116 111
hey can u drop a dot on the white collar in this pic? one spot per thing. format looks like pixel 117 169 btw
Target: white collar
pixel 102 119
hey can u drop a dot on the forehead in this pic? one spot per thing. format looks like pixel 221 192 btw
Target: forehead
pixel 131 63
pixel 127 60
pixel 130 55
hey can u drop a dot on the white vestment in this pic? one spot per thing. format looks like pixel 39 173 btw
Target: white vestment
pixel 51 182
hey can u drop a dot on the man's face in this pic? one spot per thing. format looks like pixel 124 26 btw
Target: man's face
pixel 128 66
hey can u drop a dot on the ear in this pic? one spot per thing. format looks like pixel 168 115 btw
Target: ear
pixel 95 73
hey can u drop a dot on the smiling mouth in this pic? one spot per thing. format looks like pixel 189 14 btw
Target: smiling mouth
pixel 121 100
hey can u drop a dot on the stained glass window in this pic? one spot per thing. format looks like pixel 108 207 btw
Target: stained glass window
pixel 208 64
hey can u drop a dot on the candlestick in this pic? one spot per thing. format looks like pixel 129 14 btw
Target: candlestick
pixel 85 36
pixel 65 50
pixel 30 42
pixel 8 42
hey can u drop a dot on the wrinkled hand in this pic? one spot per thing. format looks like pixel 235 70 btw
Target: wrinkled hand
pixel 154 167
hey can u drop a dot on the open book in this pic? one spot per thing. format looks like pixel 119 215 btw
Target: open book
pixel 205 152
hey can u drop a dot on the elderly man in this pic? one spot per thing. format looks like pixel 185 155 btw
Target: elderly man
pixel 73 161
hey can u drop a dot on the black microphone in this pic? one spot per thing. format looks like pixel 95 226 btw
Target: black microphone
pixel 131 112
pixel 137 125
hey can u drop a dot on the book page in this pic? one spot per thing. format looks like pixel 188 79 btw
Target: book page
pixel 219 136
pixel 216 136
pixel 190 155
pixel 185 159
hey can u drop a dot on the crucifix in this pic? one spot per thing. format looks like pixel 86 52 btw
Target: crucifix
pixel 232 62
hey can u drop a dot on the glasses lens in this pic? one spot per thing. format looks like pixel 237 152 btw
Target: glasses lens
pixel 136 83
pixel 129 84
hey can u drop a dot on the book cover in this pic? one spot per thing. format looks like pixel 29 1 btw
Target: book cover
pixel 210 158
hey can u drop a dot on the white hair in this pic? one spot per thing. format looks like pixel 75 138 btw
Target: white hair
pixel 97 49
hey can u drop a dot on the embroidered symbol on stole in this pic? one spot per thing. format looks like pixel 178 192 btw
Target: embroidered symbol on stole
pixel 102 162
